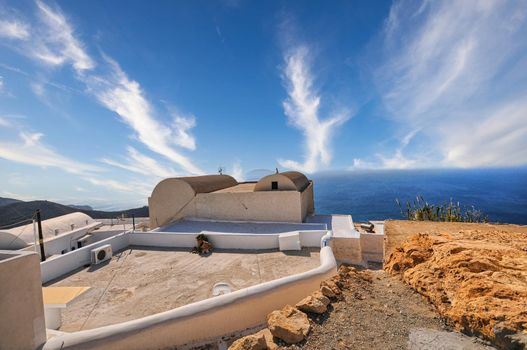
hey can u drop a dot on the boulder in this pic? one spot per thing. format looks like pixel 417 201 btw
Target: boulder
pixel 328 292
pixel 269 342
pixel 331 285
pixel 255 341
pixel 316 303
pixel 288 324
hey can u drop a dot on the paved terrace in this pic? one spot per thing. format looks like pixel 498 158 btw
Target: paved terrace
pixel 196 226
pixel 141 281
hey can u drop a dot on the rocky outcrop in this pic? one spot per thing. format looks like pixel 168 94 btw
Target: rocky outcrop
pixel 477 279
pixel 288 324
pixel 315 303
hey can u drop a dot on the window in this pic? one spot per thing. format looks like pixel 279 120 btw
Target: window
pixel 274 185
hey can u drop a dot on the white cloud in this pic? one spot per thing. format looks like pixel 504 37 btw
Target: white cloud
pixel 139 163
pixel 397 160
pixel 498 139
pixel 14 29
pixel 182 137
pixel 22 197
pixel 458 72
pixel 4 91
pixel 302 109
pixel 29 149
pixel 38 88
pixel 237 171
pixel 139 188
pixel 126 98
pixel 57 43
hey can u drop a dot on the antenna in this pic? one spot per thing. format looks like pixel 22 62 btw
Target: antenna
pixel 220 170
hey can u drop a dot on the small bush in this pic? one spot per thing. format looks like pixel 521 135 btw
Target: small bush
pixel 421 210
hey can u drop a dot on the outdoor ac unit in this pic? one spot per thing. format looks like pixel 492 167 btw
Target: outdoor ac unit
pixel 100 254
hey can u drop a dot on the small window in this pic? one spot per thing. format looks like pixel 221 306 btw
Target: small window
pixel 274 185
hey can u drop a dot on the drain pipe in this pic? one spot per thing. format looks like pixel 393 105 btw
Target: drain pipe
pixel 324 241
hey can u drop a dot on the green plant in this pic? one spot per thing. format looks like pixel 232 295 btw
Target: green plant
pixel 421 210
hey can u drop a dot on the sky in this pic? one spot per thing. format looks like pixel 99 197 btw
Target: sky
pixel 100 100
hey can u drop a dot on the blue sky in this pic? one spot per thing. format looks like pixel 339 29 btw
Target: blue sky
pixel 99 100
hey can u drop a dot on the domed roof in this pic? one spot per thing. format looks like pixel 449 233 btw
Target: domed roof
pixel 286 181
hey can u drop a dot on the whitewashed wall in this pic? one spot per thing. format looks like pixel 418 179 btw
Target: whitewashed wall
pixel 203 320
pixel 63 264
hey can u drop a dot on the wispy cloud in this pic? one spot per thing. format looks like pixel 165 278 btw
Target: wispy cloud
pixel 57 44
pixel 458 72
pixel 141 164
pixel 140 188
pixel 182 136
pixel 302 109
pixel 14 29
pixel 126 98
pixel 30 149
pixel 122 95
pixel 237 171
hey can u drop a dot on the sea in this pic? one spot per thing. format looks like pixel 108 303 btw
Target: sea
pixel 501 194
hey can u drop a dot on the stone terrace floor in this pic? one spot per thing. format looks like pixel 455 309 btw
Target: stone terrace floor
pixel 141 281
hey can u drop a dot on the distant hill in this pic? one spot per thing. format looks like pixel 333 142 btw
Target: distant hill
pixel 18 211
pixel 7 201
pixel 82 207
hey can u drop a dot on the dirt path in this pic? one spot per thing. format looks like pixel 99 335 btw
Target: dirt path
pixel 381 314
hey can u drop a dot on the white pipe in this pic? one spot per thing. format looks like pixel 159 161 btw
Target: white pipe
pixel 324 241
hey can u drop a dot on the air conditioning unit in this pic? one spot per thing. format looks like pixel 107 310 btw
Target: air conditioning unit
pixel 100 254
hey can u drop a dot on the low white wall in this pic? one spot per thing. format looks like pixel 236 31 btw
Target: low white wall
pixel 206 319
pixel 222 240
pixel 61 265
pixel 64 241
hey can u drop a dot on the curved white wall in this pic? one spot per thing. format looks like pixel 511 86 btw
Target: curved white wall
pixel 205 319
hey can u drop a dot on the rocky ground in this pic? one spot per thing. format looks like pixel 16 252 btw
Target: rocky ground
pixel 379 312
pixel 439 279
pixel 476 277
pixel 373 311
